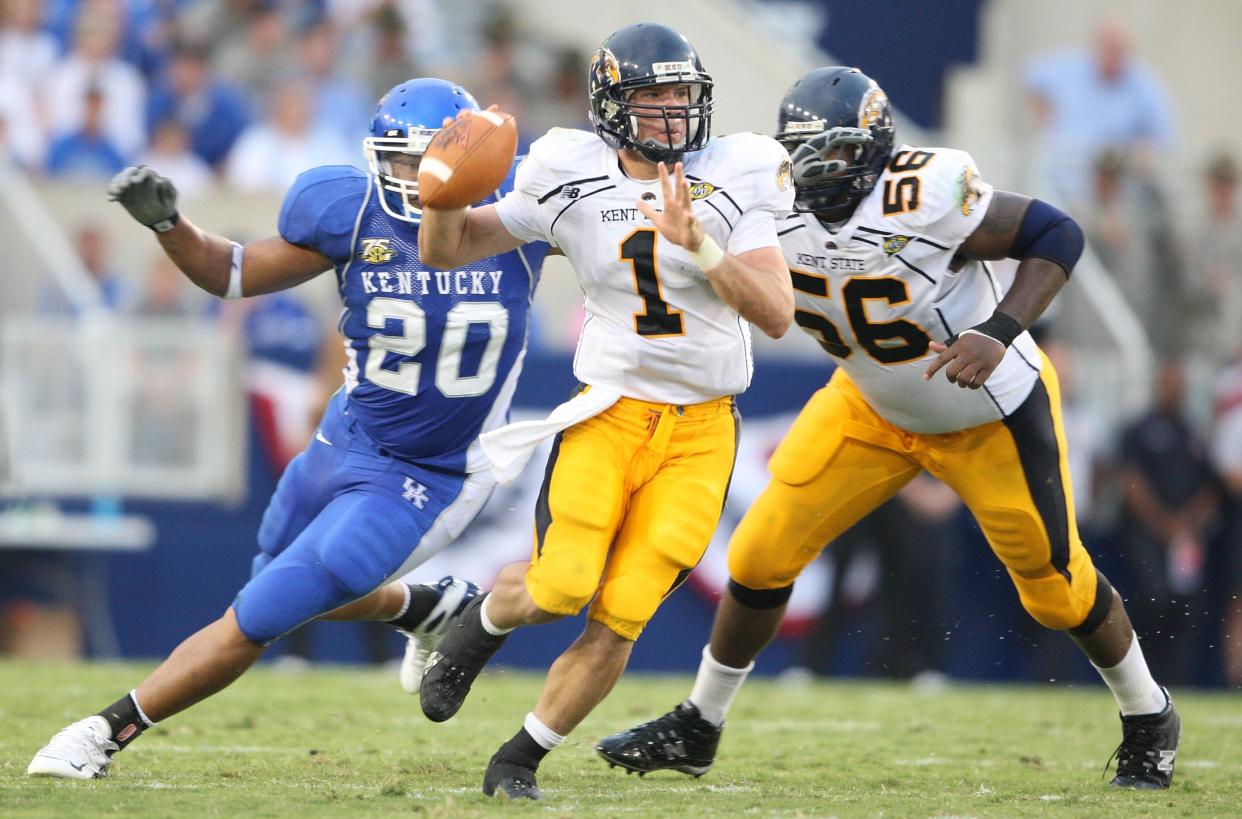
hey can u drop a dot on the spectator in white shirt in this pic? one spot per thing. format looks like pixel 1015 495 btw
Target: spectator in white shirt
pixel 27 53
pixel 93 64
pixel 170 154
pixel 21 139
pixel 270 155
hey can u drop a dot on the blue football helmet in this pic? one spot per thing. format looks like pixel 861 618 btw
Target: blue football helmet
pixel 406 119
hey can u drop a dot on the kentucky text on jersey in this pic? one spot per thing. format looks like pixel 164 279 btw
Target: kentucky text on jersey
pixel 419 340
pixel 424 282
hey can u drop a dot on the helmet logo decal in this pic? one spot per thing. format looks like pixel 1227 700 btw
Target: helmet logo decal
pixel 377 251
pixel 605 70
pixel 871 109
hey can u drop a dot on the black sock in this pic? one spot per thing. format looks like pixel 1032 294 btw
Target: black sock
pixel 522 750
pixel 422 600
pixel 124 719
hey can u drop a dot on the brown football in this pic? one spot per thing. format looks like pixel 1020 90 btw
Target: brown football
pixel 467 161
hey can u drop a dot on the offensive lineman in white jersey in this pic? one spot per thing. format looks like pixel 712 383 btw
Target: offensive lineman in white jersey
pixel 674 265
pixel 887 252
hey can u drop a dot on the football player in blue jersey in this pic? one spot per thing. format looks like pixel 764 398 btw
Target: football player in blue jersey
pixel 394 472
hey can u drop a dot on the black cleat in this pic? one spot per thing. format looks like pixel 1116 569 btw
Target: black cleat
pixel 1148 749
pixel 681 740
pixel 456 662
pixel 510 780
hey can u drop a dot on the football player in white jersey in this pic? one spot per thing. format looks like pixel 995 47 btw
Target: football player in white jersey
pixel 887 250
pixel 672 235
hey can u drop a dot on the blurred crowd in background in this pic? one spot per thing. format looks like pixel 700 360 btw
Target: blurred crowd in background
pixel 244 94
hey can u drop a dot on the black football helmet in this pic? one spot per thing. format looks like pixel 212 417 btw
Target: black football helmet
pixel 639 56
pixel 837 125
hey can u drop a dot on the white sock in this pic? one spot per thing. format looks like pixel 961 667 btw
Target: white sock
pixel 715 687
pixel 1132 685
pixel 545 736
pixel 488 626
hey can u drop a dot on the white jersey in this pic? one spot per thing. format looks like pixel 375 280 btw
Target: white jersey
pixel 655 329
pixel 877 291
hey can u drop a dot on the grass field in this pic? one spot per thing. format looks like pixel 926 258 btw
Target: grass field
pixel 344 742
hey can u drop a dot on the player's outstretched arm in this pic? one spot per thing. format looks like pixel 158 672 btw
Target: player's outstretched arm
pixel 756 283
pixel 212 262
pixel 1047 242
pixel 452 238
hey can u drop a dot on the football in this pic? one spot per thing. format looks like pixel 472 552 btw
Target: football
pixel 467 161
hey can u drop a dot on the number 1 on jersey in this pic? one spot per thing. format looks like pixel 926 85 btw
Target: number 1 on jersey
pixel 657 318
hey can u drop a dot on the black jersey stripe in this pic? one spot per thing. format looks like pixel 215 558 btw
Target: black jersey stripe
pixel 576 201
pixel 945 322
pixel 994 401
pixel 789 230
pixel 722 216
pixel 897 256
pixel 720 191
pixel 927 241
pixel 569 184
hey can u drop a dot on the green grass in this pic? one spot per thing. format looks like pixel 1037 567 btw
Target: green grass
pixel 344 742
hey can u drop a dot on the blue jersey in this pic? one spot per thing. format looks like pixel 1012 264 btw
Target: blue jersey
pixel 434 355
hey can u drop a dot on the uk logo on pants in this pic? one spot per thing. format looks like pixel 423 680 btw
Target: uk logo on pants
pixel 414 492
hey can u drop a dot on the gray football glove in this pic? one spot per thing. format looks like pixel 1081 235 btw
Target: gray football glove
pixel 149 197
pixel 809 161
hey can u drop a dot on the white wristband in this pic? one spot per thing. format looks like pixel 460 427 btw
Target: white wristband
pixel 235 287
pixel 708 255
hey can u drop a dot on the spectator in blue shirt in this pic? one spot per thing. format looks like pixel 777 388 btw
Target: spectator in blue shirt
pixel 1086 101
pixel 86 152
pixel 212 111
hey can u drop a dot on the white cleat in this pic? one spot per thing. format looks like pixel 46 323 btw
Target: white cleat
pixel 81 751
pixel 455 593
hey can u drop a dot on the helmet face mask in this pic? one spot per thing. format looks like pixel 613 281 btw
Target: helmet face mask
pixel 632 64
pixel 406 120
pixel 846 118
pixel 394 161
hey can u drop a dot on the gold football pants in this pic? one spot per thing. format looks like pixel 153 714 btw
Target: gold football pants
pixel 840 460
pixel 629 503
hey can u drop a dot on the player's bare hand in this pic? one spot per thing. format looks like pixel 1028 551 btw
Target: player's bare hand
pixel 677 223
pixel 149 197
pixel 968 361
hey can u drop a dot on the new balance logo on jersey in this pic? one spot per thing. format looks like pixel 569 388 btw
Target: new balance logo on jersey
pixel 569 193
pixel 414 492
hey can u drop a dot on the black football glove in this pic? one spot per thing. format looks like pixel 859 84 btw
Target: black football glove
pixel 808 158
pixel 149 197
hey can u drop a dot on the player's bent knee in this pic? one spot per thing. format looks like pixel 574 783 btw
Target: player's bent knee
pixel 1054 604
pixel 561 587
